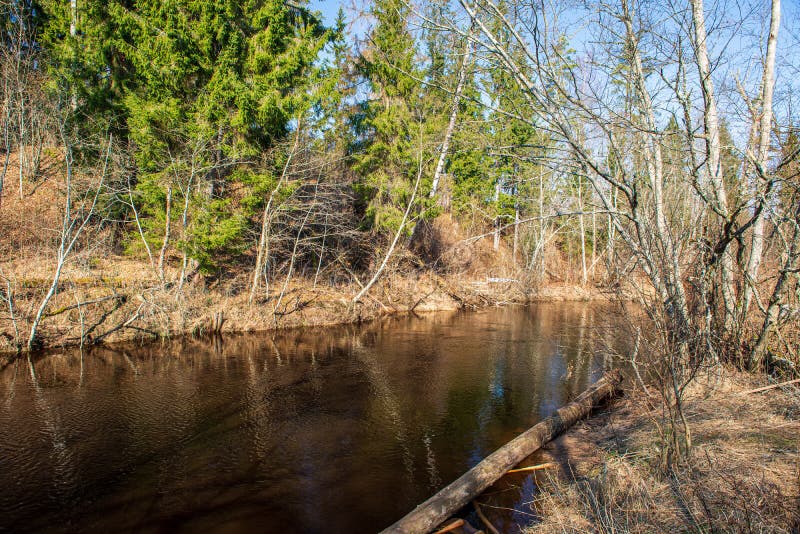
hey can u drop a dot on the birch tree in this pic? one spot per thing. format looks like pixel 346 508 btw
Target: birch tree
pixel 74 223
pixel 685 253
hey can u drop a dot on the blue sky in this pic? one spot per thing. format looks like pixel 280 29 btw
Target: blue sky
pixel 329 8
pixel 789 41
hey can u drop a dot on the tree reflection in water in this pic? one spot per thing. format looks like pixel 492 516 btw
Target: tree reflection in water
pixel 321 430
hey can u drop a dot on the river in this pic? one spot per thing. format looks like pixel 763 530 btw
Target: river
pixel 318 430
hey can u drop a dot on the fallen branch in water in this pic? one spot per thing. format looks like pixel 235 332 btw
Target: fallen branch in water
pixel 484 519
pixel 457 494
pixel 548 465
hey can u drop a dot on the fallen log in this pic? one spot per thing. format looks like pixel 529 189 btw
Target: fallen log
pixel 457 494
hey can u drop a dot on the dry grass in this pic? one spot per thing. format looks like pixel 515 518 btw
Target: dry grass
pixel 163 311
pixel 743 476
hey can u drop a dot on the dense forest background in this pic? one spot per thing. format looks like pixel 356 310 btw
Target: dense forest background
pixel 165 164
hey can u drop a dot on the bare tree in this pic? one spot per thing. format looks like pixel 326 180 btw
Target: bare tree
pixel 574 102
pixel 400 230
pixel 760 130
pixel 262 253
pixel 74 222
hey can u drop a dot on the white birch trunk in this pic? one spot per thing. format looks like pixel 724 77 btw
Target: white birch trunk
pixel 167 230
pixel 712 138
pixel 451 125
pixel 764 127
pixel 496 244
pixel 582 231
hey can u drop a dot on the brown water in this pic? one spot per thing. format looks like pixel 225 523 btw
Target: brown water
pixel 321 430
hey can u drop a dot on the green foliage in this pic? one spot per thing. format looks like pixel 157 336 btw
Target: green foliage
pixel 389 162
pixel 87 68
pixel 200 90
pixel 216 237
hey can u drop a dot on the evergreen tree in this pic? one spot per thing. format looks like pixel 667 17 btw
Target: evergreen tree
pixel 390 127
pixel 202 89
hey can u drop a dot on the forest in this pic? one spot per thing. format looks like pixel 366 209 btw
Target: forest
pixel 190 167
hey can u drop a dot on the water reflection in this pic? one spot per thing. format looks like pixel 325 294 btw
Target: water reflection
pixel 335 430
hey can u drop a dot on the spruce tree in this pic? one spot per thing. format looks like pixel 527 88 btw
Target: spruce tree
pixel 200 90
pixel 390 127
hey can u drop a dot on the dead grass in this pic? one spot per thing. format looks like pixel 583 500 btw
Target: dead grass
pixel 127 287
pixel 744 474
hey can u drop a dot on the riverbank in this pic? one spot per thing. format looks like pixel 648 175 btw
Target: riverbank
pixel 108 291
pixel 116 299
pixel 743 476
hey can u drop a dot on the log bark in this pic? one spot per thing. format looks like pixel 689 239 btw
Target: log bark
pixel 459 493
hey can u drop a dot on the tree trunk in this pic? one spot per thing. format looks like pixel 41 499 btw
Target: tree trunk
pixel 765 127
pixel 450 499
pixel 594 239
pixel 773 309
pixel 73 32
pixel 497 222
pixel 394 241
pixel 542 265
pixel 139 224
pixel 167 228
pixel 266 219
pixel 7 148
pixel 516 232
pixel 21 145
pixel 69 234
pixel 451 125
pixel 712 141
pixel 184 226
pixel 583 232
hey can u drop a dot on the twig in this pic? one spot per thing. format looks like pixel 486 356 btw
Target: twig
pixel 456 523
pixel 773 386
pixel 484 519
pixel 548 465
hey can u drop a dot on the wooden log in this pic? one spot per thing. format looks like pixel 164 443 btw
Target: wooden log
pixel 457 494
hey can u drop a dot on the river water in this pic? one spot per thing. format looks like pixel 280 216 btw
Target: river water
pixel 320 430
